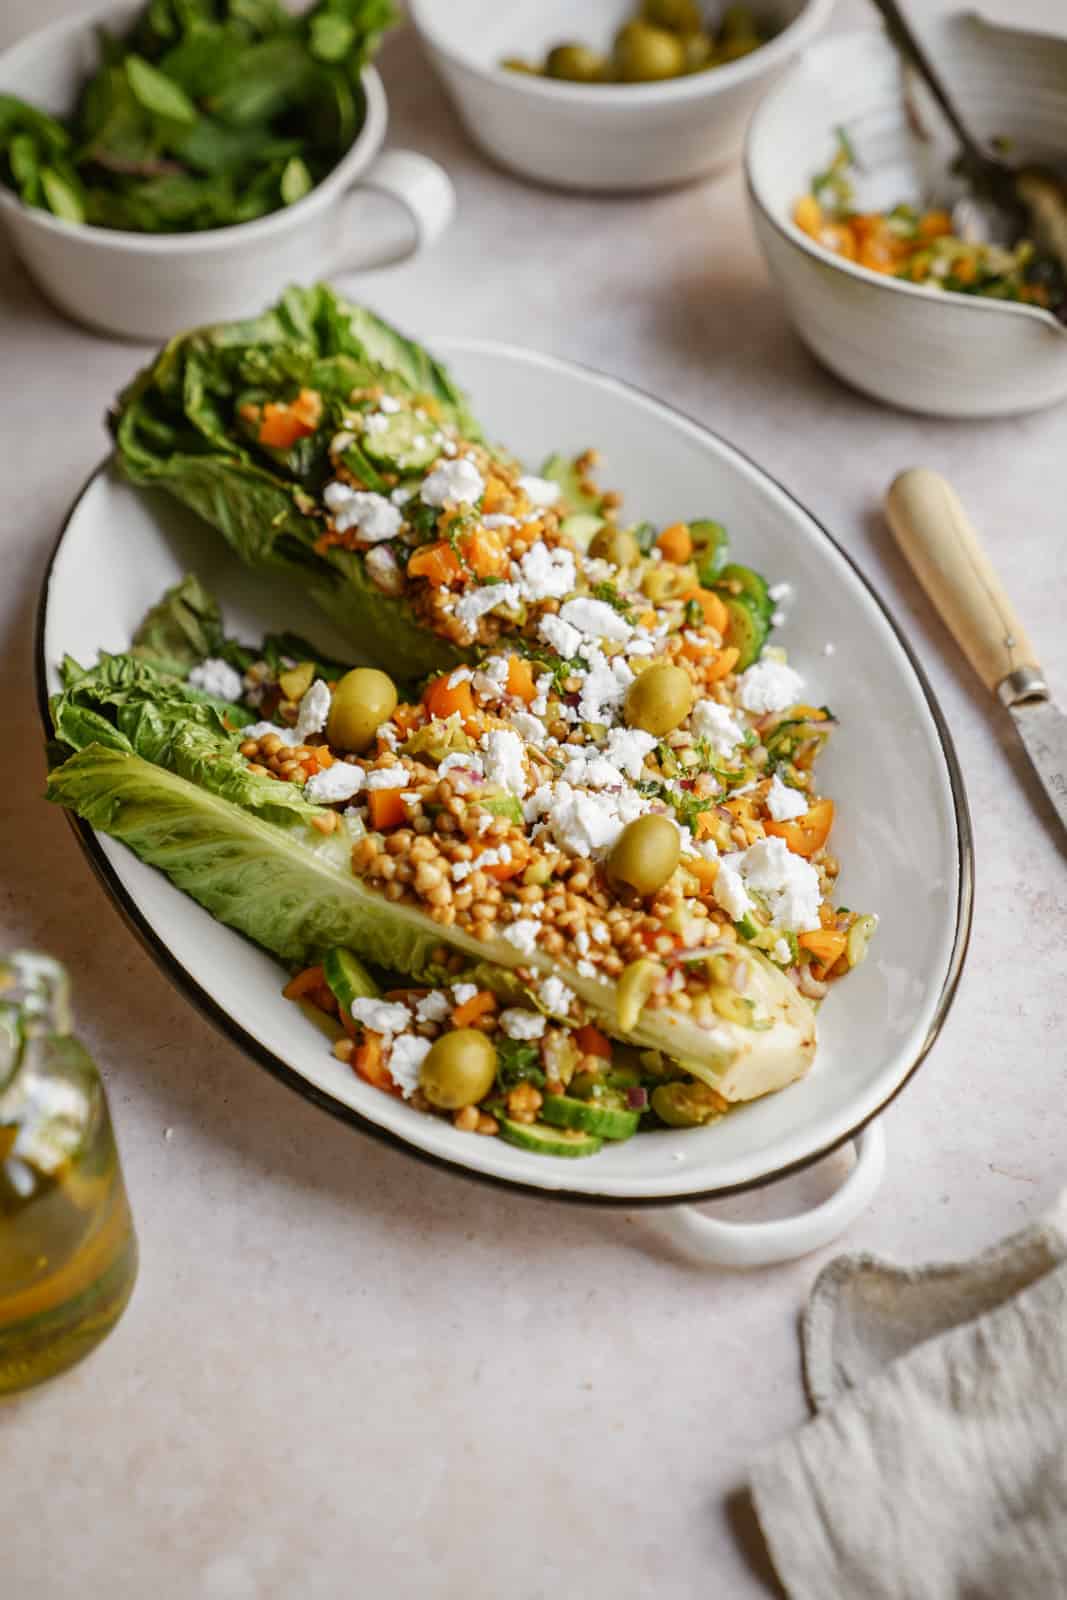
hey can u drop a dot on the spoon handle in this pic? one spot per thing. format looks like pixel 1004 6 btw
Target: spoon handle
pixel 935 534
pixel 907 42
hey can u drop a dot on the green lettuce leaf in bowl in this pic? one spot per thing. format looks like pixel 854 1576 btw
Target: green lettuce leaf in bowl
pixel 178 427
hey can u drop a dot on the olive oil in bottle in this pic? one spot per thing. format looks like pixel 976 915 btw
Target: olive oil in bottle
pixel 68 1253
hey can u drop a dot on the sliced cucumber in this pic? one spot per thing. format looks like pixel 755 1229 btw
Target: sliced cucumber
pixel 745 584
pixel 710 544
pixel 746 629
pixel 405 444
pixel 605 1121
pixel 582 527
pixel 501 805
pixel 549 1141
pixel 348 979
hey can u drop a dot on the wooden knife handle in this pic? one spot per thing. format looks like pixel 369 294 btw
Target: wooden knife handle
pixel 935 534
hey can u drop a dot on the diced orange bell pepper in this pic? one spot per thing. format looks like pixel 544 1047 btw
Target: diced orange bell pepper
pixel 675 543
pixel 838 236
pixel 304 982
pixel 705 872
pixel 283 424
pixel 367 1060
pixel 935 225
pixel 437 563
pixel 591 1042
pixel 724 661
pixel 387 810
pixel 503 870
pixel 307 408
pixel 715 613
pixel 483 551
pixel 807 214
pixel 826 945
pixel 808 833
pixel 479 1005
pixel 442 701
pixel 521 678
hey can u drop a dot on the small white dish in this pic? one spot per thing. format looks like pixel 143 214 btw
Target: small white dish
pixel 147 287
pixel 903 832
pixel 599 136
pixel 925 350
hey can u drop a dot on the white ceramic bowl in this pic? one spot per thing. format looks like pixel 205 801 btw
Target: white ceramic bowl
pixel 602 136
pixel 902 832
pixel 149 286
pixel 925 350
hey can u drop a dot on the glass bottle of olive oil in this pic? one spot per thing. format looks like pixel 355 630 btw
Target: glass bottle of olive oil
pixel 68 1254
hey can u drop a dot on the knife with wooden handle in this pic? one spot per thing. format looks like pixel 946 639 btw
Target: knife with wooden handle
pixel 935 534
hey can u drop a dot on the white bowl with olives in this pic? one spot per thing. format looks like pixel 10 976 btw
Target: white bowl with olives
pixel 615 94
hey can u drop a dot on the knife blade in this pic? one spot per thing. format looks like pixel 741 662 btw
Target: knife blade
pixel 935 535
pixel 1042 727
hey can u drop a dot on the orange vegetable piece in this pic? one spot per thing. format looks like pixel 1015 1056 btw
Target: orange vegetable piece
pixel 725 661
pixel 521 678
pixel 935 225
pixel 502 870
pixel 442 701
pixel 591 1042
pixel 715 613
pixel 807 214
pixel 497 495
pixel 675 543
pixel 808 833
pixel 283 424
pixel 838 236
pixel 826 945
pixel 387 810
pixel 483 551
pixel 367 1060
pixel 705 872
pixel 304 982
pixel 307 408
pixel 437 563
pixel 479 1005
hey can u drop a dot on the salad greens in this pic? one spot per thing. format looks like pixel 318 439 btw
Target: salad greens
pixel 208 113
pixel 178 426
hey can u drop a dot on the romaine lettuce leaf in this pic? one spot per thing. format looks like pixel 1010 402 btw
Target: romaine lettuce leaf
pixel 181 629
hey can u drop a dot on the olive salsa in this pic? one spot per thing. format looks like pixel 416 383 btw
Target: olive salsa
pixel 557 866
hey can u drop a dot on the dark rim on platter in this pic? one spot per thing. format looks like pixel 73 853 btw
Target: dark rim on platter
pixel 274 1064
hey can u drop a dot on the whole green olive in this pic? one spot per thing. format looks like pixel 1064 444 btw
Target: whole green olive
pixel 645 853
pixel 576 63
pixel 458 1070
pixel 616 545
pixel 699 49
pixel 680 16
pixel 644 54
pixel 659 699
pixel 362 701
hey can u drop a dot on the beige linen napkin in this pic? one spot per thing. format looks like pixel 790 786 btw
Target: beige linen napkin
pixel 936 1467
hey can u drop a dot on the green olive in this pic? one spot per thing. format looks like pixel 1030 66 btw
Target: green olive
pixel 458 1070
pixel 659 699
pixel 576 63
pixel 645 853
pixel 680 16
pixel 616 545
pixel 737 22
pixel 362 701
pixel 686 1104
pixel 644 54
pixel 698 49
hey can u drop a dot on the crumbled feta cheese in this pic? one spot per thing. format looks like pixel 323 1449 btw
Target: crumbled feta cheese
pixel 433 1007
pixel 375 422
pixel 729 890
pixel 581 942
pixel 784 802
pixel 519 1024
pixel 591 772
pixel 718 725
pixel 492 677
pixel 404 1060
pixel 585 969
pixel 595 618
pixel 503 759
pixel 388 778
pixel 384 570
pixel 523 935
pixel 389 404
pixel 461 675
pixel 218 678
pixel 539 491
pixel 336 783
pixel 782 953
pixel 828 648
pixel 462 992
pixel 381 1016
pixel 769 685
pixel 604 686
pixel 546 574
pixel 555 996
pixel 455 482
pixel 529 727
pixel 372 515
pixel 780 591
pixel 460 760
pixel 786 883
pixel 627 748
pixel 401 495
pixel 600 933
pixel 499 519
pixel 477 603
pixel 313 712
pixel 587 824
pixel 777 619
pixel 564 639
pixel 259 730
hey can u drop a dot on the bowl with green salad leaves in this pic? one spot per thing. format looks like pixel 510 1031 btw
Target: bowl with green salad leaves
pixel 181 161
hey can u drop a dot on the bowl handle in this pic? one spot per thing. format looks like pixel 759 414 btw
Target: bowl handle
pixel 713 1243
pixel 425 191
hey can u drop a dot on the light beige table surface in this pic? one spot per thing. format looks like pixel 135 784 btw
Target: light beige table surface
pixel 343 1374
